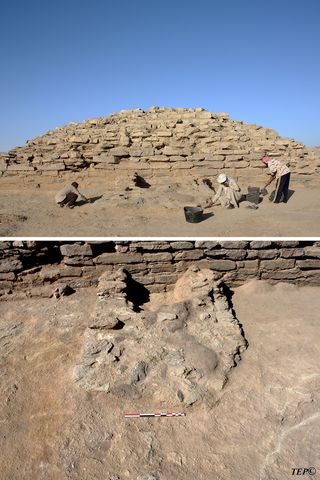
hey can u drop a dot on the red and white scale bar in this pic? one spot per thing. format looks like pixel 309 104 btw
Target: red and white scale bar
pixel 159 414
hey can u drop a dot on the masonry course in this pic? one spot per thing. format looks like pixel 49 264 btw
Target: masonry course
pixel 25 265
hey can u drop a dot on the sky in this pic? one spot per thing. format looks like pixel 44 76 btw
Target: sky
pixel 71 60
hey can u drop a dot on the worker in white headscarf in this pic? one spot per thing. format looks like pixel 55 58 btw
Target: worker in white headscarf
pixel 228 194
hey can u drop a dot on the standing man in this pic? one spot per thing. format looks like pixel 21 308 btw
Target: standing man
pixel 68 195
pixel 281 172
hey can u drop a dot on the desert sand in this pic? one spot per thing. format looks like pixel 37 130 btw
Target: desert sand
pixel 28 209
pixel 265 424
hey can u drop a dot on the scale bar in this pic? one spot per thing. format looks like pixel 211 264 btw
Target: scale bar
pixel 158 414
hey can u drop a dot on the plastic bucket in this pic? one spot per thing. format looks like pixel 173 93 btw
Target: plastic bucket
pixel 193 214
pixel 253 195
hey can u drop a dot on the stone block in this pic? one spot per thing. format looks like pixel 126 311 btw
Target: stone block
pixel 51 166
pixel 105 158
pixel 218 252
pixel 308 264
pixel 72 250
pixel 118 258
pixel 189 255
pixel 20 168
pixel 161 267
pixel 157 257
pixel 209 245
pixel 168 278
pixel 236 254
pixel 251 265
pixel 8 265
pixel 234 244
pixel 176 151
pixel 218 264
pixel 182 245
pixel 278 264
pixel 312 251
pixel 7 276
pixel 150 245
pixel 283 275
pixel 292 252
pixel 267 254
pixel 260 244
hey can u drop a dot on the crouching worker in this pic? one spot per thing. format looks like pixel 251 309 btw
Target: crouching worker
pixel 228 194
pixel 281 172
pixel 68 195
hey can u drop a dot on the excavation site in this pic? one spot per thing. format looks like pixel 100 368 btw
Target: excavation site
pixel 143 173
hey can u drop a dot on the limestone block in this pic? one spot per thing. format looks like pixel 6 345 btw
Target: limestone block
pixel 251 265
pixel 312 251
pixel 20 168
pixel 214 158
pixel 234 245
pixel 119 152
pixel 106 158
pixel 8 265
pixel 220 265
pixel 157 257
pixel 175 151
pixel 3 166
pixel 150 245
pixel 209 245
pixel 308 264
pixel 267 254
pixel 278 264
pixel 292 252
pixel 72 250
pixel 79 139
pixel 290 274
pixel 189 255
pixel 181 245
pixel 236 254
pixel 118 258
pixel 52 167
pixel 256 244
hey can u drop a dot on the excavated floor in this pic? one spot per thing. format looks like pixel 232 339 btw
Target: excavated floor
pixel 265 424
pixel 28 208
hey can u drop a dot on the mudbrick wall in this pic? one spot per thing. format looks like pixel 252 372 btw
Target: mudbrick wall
pixel 158 144
pixel 35 268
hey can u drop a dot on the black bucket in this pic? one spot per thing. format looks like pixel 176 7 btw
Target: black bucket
pixel 253 195
pixel 193 214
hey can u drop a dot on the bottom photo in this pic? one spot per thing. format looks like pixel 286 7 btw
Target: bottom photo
pixel 159 360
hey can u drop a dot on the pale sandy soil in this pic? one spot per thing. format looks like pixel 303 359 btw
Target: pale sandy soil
pixel 266 423
pixel 27 211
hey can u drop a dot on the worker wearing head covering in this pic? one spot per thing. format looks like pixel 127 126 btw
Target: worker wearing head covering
pixel 228 194
pixel 68 195
pixel 280 171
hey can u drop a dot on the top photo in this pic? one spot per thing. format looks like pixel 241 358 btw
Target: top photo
pixel 191 120
pixel 161 172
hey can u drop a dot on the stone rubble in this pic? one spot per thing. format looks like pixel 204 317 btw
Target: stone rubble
pixel 185 350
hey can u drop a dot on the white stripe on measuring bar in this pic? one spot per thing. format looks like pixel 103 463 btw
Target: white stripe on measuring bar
pixel 158 414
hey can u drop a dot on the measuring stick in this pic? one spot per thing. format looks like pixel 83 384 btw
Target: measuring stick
pixel 160 414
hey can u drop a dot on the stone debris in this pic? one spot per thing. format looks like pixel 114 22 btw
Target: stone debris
pixel 185 350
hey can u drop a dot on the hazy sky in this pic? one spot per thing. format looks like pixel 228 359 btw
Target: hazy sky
pixel 72 60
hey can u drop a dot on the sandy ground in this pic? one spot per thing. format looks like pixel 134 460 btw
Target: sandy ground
pixel 266 423
pixel 27 211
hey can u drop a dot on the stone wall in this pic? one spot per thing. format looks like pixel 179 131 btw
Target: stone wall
pixel 160 144
pixel 40 268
